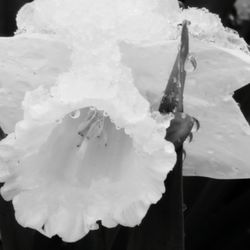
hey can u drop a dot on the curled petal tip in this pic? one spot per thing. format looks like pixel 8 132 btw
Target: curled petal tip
pixel 196 124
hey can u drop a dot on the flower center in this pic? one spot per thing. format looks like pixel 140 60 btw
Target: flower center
pixel 91 127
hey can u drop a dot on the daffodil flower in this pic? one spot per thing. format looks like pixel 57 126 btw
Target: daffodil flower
pixel 88 144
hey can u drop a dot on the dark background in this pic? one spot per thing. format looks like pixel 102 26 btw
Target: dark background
pixel 216 212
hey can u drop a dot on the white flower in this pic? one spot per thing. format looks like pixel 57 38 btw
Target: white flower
pixel 88 148
pixel 89 145
pixel 26 63
pixel 71 165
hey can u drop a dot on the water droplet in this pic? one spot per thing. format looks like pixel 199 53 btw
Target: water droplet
pixel 190 64
pixel 210 152
pixel 179 27
pixel 58 120
pixel 183 116
pixel 174 110
pixel 117 127
pixel 105 114
pixel 75 114
pixel 178 84
pixel 227 98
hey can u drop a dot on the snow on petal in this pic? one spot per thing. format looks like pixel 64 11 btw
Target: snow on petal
pixel 108 174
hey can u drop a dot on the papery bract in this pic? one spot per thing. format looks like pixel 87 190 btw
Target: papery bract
pixel 220 148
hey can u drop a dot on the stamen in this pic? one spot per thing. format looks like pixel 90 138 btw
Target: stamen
pixel 75 114
pixel 91 128
pixel 103 137
pixel 95 128
pixel 91 114
pixel 84 126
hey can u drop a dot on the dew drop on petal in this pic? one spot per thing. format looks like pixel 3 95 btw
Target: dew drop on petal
pixel 183 116
pixel 190 64
pixel 227 98
pixel 105 113
pixel 58 120
pixel 117 127
pixel 75 114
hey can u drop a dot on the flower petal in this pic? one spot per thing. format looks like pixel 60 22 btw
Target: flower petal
pixel 27 62
pixel 76 178
pixel 220 148
pixel 224 136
